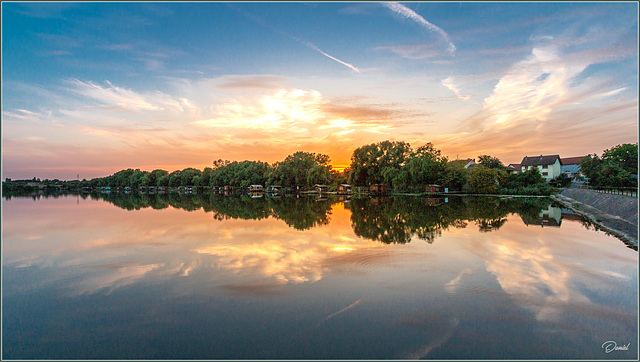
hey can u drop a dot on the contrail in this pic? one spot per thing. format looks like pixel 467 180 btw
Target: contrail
pixel 281 32
pixel 344 309
pixel 329 56
pixel 410 14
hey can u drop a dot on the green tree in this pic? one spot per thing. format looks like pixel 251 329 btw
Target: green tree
pixel 303 169
pixel 426 166
pixel 625 156
pixel 616 168
pixel 490 162
pixel 379 163
pixel 483 181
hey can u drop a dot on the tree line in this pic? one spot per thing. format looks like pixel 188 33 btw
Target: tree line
pixel 618 167
pixel 392 163
pixel 387 220
pixel 407 170
pixel 303 169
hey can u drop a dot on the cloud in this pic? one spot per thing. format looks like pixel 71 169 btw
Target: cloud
pixel 311 46
pixel 125 100
pixel 413 51
pixel 293 112
pixel 112 95
pixel 544 100
pixel 448 82
pixel 267 82
pixel 412 15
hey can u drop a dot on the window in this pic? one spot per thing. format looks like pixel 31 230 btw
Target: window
pixel 545 173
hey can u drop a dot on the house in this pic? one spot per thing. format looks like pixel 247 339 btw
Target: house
pixel 344 189
pixel 321 188
pixel 552 216
pixel 513 168
pixel 571 166
pixel 433 188
pixel 549 166
pixel 379 189
pixel 255 188
pixel 463 163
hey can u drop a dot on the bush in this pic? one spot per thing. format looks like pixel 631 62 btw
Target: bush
pixel 561 181
pixel 483 181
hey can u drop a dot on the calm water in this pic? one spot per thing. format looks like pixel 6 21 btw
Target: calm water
pixel 214 277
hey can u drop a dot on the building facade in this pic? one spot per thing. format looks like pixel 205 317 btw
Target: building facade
pixel 549 166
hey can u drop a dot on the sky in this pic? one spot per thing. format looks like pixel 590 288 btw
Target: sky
pixel 89 89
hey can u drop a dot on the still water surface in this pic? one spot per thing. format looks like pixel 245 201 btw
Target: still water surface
pixel 214 277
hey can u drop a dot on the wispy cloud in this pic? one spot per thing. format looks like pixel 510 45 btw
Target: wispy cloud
pixel 538 104
pixel 251 82
pixel 311 46
pixel 126 100
pixel 414 51
pixel 412 15
pixel 449 83
pixel 112 95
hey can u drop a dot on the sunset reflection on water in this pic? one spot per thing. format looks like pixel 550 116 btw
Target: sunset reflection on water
pixel 456 267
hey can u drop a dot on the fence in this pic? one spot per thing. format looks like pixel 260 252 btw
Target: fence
pixel 628 191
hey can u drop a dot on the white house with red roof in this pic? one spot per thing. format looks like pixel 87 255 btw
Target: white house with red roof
pixel 549 166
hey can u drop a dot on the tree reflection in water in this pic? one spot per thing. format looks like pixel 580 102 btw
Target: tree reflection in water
pixel 385 219
pixel 398 219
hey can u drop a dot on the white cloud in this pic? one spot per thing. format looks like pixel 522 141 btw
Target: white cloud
pixel 412 15
pixel 112 95
pixel 449 83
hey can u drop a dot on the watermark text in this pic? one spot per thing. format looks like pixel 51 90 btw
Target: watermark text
pixel 610 346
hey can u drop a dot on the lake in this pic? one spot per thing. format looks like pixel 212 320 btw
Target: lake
pixel 128 276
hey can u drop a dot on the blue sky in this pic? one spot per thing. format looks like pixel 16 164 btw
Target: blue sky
pixel 92 88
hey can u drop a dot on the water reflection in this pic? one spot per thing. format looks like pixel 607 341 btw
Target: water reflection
pixel 384 219
pixel 309 271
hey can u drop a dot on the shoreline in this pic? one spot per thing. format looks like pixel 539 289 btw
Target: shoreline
pixel 607 222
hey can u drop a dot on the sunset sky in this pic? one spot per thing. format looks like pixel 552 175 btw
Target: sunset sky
pixel 92 88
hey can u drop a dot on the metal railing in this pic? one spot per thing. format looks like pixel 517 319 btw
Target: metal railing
pixel 627 191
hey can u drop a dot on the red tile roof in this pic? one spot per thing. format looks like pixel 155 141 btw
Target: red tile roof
pixel 572 160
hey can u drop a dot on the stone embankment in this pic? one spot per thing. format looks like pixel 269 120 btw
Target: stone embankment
pixel 617 214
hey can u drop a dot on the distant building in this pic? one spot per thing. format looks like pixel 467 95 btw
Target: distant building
pixel 379 189
pixel 344 189
pixel 571 166
pixel 468 163
pixel 321 188
pixel 549 166
pixel 513 168
pixel 433 188
pixel 256 188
